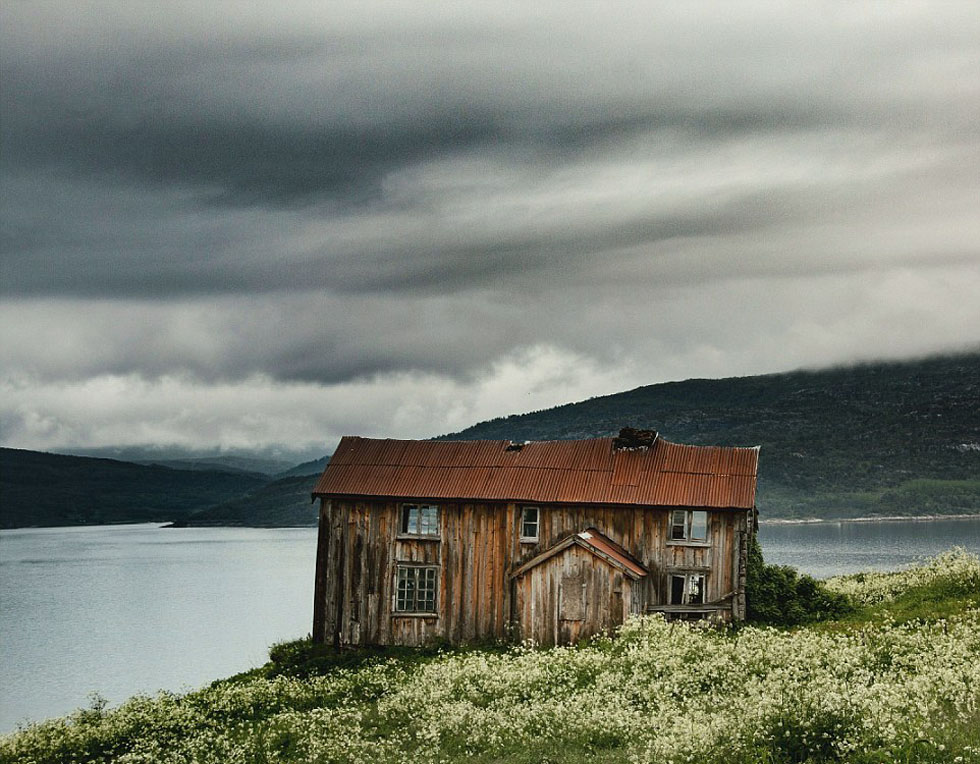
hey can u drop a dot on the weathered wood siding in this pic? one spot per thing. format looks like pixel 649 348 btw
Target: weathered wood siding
pixel 477 547
pixel 569 597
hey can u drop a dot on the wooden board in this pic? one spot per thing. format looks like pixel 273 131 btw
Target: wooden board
pixel 478 545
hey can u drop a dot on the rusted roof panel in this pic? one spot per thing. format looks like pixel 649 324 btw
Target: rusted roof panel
pixel 627 466
pixel 595 542
pixel 574 472
pixel 607 546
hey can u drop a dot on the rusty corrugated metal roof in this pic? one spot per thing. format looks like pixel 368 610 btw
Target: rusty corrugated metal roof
pixel 559 471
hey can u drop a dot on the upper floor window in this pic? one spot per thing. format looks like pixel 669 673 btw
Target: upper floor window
pixel 530 517
pixel 420 519
pixel 689 525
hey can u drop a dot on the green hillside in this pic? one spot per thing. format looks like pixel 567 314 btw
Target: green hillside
pixel 876 439
pixel 39 489
pixel 282 503
pixel 314 467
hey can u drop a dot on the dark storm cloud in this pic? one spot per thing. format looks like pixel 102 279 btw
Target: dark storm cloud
pixel 357 195
pixel 134 123
pixel 194 125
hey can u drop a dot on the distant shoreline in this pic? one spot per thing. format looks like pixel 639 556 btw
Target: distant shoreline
pixel 767 521
pixel 880 519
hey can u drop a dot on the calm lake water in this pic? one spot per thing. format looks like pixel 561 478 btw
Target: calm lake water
pixel 830 549
pixel 132 608
pixel 126 609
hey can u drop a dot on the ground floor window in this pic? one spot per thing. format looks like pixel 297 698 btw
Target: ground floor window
pixel 415 589
pixel 687 589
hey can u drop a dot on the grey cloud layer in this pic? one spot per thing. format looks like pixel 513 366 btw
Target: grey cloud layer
pixel 331 195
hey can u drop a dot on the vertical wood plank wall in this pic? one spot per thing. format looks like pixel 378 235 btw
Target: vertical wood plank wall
pixel 479 544
pixel 541 598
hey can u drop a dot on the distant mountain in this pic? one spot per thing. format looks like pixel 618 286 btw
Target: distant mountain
pixel 282 503
pixel 876 439
pixel 40 489
pixel 189 459
pixel 203 465
pixel 232 464
pixel 314 467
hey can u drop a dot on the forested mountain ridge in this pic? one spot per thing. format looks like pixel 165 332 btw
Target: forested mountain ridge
pixel 286 502
pixel 41 489
pixel 876 439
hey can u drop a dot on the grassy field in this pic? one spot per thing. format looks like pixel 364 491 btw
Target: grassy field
pixel 897 679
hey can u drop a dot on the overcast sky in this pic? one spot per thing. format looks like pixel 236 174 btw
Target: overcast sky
pixel 271 224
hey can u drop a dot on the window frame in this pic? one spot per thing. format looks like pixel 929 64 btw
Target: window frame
pixel 687 528
pixel 417 570
pixel 525 539
pixel 404 529
pixel 688 577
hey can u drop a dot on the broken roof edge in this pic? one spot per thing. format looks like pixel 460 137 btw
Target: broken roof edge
pixel 592 541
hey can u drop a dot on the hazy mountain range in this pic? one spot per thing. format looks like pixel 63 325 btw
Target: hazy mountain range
pixel 872 440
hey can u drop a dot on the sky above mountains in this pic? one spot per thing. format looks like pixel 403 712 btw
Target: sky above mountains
pixel 258 225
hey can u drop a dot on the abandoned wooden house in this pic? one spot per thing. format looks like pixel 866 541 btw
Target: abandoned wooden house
pixel 549 541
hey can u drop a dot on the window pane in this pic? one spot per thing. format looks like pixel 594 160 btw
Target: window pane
pixel 427 590
pixel 529 523
pixel 677 590
pixel 678 528
pixel 429 520
pixel 405 595
pixel 695 590
pixel 410 518
pixel 699 525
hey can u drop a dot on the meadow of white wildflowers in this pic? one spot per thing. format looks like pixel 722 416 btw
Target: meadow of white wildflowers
pixel 956 566
pixel 659 692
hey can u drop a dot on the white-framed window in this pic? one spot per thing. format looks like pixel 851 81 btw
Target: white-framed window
pixel 687 588
pixel 420 519
pixel 530 523
pixel 415 588
pixel 689 525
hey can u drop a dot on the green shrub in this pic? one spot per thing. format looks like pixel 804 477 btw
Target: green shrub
pixel 778 595
pixel 304 658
